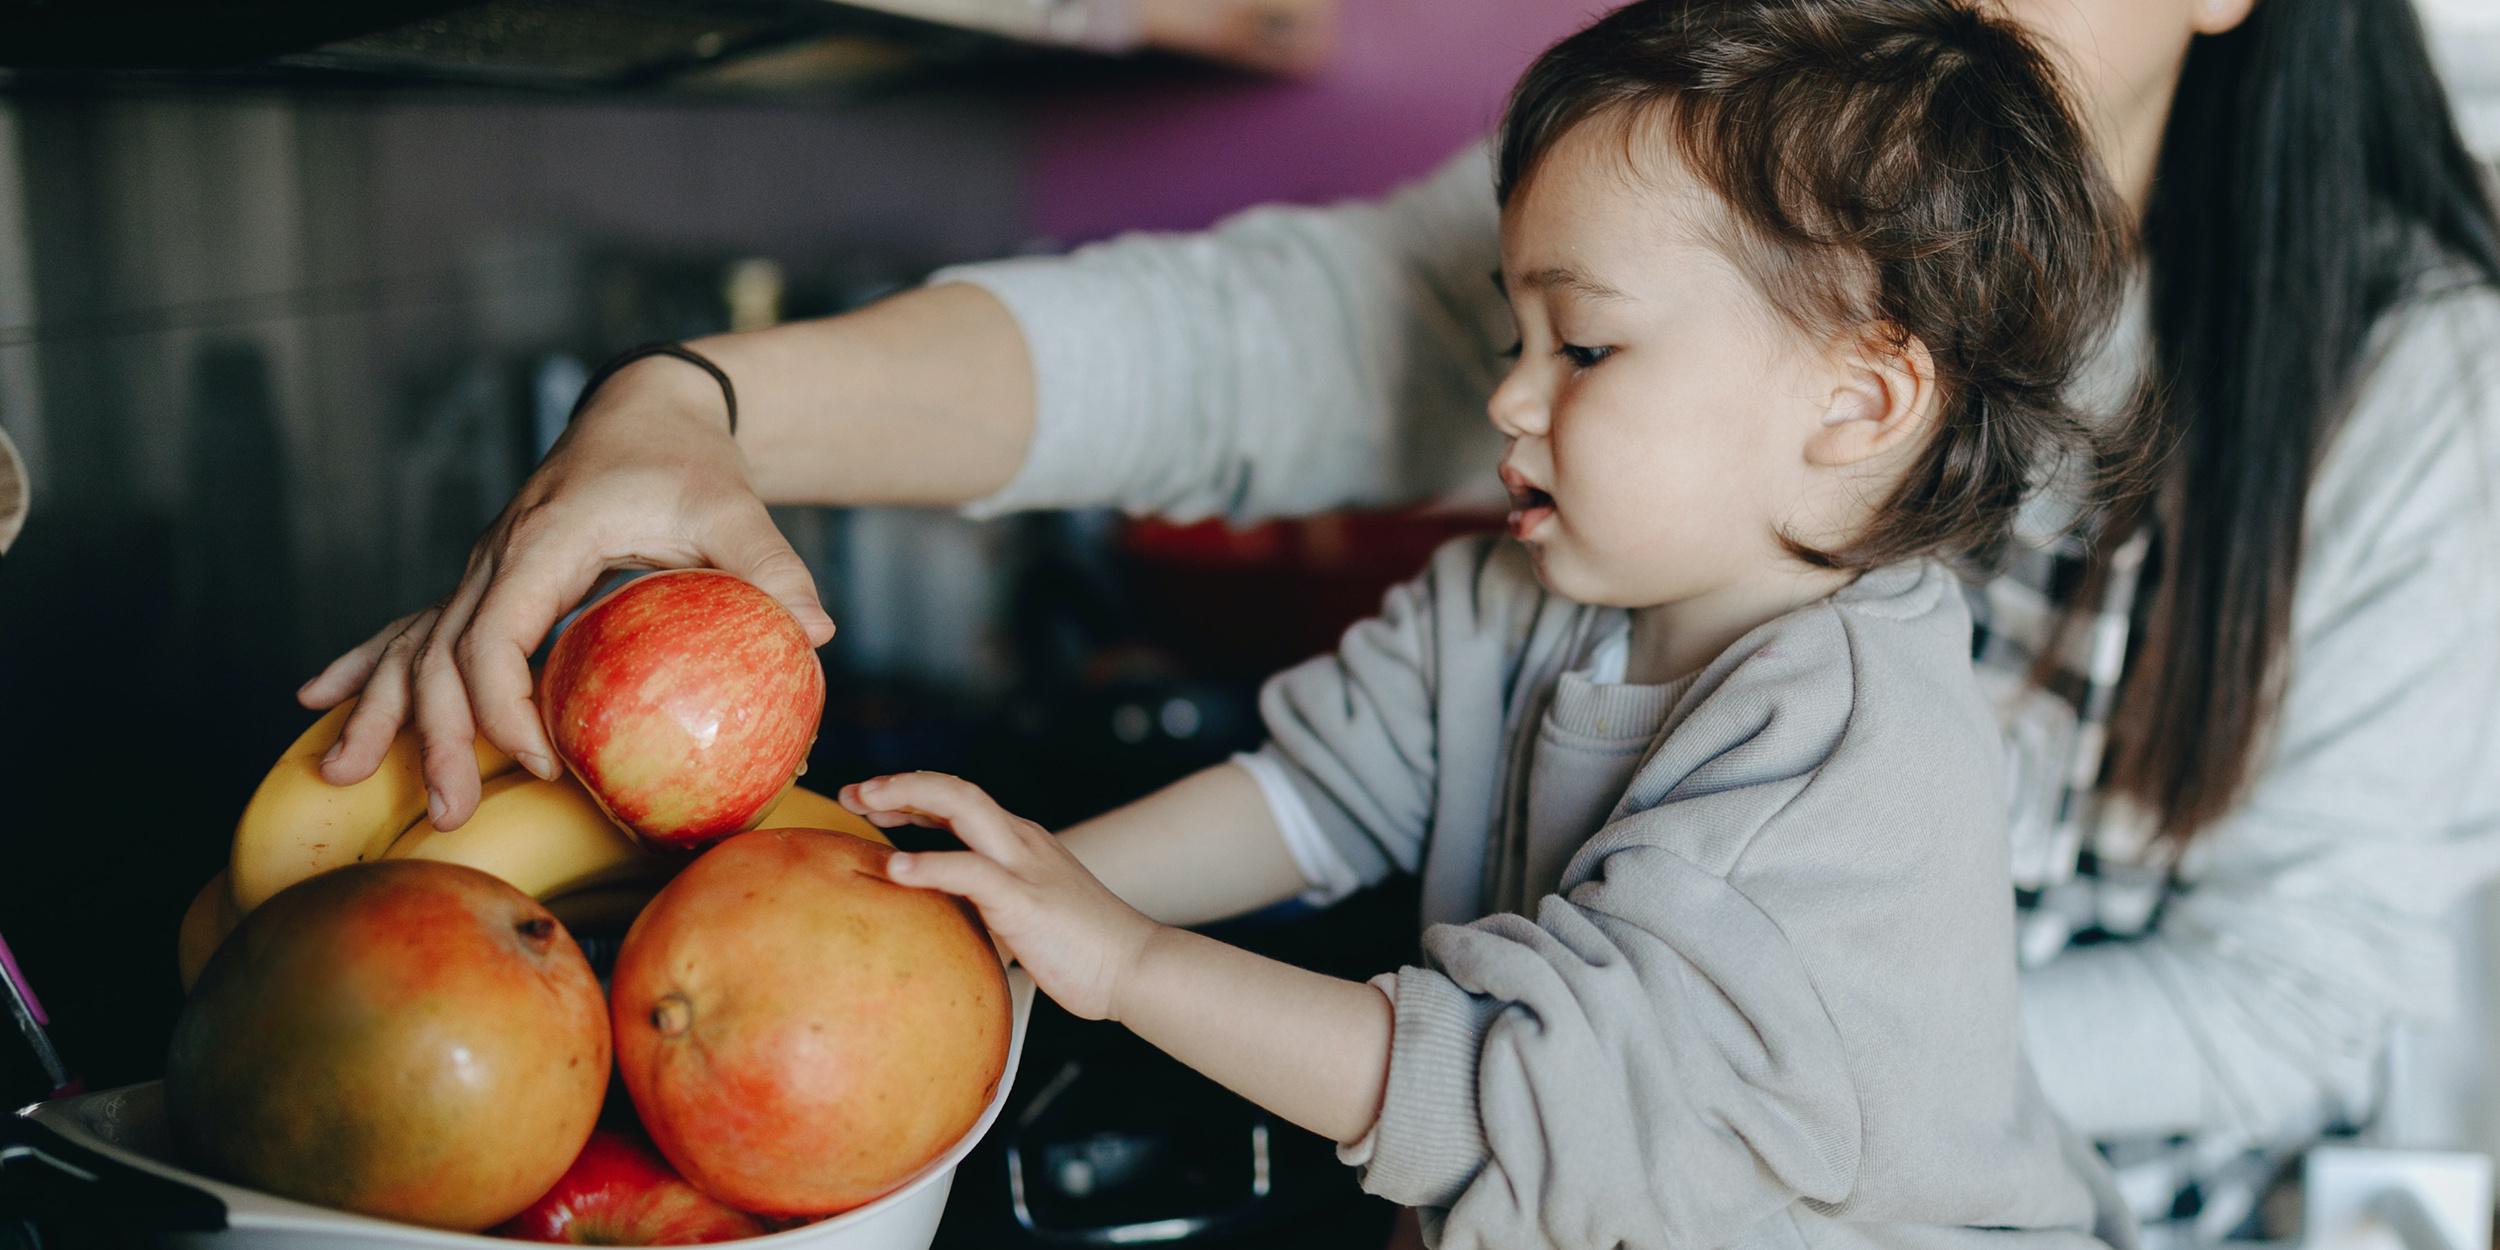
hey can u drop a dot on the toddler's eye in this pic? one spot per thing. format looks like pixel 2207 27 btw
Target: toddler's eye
pixel 1512 352
pixel 1583 357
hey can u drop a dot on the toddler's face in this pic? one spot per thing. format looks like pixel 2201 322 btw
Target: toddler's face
pixel 1660 408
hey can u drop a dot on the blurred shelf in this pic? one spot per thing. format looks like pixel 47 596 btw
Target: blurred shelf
pixel 725 47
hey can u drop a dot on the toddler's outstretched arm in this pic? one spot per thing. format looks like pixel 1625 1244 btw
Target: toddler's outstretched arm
pixel 1202 849
pixel 1311 1048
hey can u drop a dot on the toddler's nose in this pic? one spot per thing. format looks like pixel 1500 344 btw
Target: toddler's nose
pixel 1518 407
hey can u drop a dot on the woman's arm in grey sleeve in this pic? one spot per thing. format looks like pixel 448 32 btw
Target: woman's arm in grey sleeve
pixel 2312 918
pixel 1288 361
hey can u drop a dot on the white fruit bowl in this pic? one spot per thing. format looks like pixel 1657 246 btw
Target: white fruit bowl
pixel 127 1127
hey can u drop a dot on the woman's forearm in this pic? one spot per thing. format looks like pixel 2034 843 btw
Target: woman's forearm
pixel 1311 1048
pixel 1202 849
pixel 922 398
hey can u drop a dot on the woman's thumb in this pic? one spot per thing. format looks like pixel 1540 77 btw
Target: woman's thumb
pixel 767 560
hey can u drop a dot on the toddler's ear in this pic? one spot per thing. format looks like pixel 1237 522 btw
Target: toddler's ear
pixel 1883 398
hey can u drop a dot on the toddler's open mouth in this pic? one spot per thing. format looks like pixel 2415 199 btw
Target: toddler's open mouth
pixel 1529 505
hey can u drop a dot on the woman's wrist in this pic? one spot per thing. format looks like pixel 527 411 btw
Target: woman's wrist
pixel 661 388
pixel 921 399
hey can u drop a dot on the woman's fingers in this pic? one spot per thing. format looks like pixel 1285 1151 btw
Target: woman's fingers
pixel 444 725
pixel 382 707
pixel 346 675
pixel 540 573
pixel 747 543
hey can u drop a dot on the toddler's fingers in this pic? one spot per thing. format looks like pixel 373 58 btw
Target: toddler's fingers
pixel 966 809
pixel 960 873
pixel 896 820
pixel 883 817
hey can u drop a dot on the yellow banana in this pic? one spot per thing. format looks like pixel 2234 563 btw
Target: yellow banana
pixel 806 809
pixel 297 824
pixel 547 838
pixel 612 908
pixel 210 918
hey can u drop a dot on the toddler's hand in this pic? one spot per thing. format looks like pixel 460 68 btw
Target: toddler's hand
pixel 1076 938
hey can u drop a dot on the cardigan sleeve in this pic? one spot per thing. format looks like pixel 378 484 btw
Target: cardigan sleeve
pixel 1358 734
pixel 1775 995
pixel 1288 361
pixel 2310 919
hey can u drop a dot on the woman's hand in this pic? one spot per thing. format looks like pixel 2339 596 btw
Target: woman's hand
pixel 923 398
pixel 1081 944
pixel 648 477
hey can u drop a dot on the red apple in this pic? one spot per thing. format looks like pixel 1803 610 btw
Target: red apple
pixel 620 1192
pixel 799 1033
pixel 686 702
pixel 405 1038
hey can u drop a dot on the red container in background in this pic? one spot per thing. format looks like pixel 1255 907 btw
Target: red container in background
pixel 1249 601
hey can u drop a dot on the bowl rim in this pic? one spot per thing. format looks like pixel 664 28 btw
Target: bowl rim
pixel 77 1118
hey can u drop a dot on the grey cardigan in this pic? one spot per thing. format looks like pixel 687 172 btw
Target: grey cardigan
pixel 1773 1003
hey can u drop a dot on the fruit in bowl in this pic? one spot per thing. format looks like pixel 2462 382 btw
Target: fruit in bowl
pixel 408 1039
pixel 801 1035
pixel 686 702
pixel 620 1192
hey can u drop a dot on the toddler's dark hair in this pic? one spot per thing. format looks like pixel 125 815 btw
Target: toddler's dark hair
pixel 1909 167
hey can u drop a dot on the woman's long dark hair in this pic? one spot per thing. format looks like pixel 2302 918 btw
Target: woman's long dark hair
pixel 2309 167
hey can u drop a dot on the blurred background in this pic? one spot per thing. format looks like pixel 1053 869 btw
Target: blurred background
pixel 293 296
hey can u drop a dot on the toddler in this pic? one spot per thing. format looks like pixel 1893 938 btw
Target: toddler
pixel 1708 807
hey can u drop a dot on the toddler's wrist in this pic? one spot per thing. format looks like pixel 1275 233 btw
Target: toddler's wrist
pixel 1132 967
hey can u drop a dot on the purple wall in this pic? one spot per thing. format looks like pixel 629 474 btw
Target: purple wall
pixel 1413 81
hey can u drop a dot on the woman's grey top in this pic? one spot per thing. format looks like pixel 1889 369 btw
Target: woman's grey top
pixel 1293 360
pixel 1768 998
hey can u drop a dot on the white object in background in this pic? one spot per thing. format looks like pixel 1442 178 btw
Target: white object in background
pixel 2356 1199
pixel 1103 25
pixel 2464 38
pixel 127 1127
pixel 753 289
pixel 2441 1090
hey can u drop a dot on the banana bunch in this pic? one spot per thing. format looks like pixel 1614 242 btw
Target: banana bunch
pixel 297 824
pixel 549 839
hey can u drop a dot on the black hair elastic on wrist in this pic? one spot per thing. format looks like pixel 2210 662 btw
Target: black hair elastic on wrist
pixel 728 393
